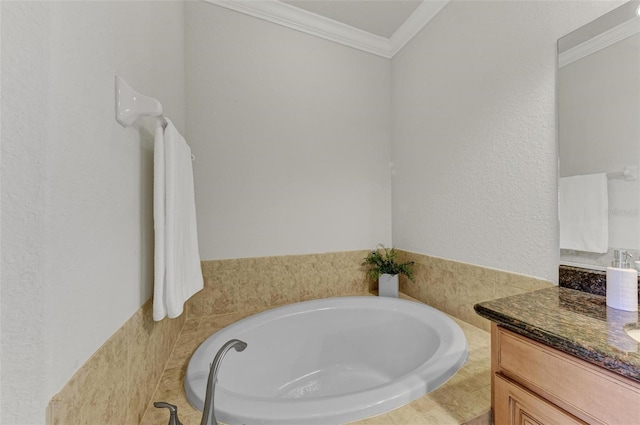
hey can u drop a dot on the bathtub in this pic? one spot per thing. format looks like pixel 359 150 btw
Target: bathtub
pixel 328 361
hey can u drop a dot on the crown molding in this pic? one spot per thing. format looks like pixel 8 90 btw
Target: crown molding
pixel 310 23
pixel 301 20
pixel 600 41
pixel 414 23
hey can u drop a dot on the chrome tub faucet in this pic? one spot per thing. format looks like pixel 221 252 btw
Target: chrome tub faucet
pixel 208 413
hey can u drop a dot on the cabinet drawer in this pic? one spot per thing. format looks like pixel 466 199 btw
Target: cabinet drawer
pixel 585 390
pixel 516 405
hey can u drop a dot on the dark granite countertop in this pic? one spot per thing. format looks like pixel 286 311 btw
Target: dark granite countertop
pixel 575 322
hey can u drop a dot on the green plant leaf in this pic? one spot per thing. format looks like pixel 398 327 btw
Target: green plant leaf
pixel 384 261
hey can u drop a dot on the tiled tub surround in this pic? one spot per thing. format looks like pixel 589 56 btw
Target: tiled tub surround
pixel 243 284
pixel 454 287
pixel 571 321
pixel 450 286
pixel 464 399
pixel 115 385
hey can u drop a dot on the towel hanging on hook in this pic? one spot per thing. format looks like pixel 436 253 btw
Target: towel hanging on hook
pixel 177 272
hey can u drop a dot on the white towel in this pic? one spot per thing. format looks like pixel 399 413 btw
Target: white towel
pixel 177 260
pixel 584 218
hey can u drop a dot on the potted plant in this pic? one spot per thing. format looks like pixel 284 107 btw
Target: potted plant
pixel 384 267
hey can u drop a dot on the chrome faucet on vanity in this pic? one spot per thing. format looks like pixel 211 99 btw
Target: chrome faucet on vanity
pixel 208 413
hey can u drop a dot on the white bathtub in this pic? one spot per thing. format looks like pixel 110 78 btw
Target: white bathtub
pixel 328 361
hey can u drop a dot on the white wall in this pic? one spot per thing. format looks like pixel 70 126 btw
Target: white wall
pixel 76 187
pixel 291 135
pixel 474 135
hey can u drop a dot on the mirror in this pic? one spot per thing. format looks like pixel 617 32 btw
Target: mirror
pixel 599 139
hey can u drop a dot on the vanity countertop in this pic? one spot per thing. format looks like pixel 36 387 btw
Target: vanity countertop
pixel 575 322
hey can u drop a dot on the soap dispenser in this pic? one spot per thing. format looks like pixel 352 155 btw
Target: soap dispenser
pixel 622 283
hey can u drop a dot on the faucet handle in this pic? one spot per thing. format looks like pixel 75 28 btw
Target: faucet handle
pixel 173 412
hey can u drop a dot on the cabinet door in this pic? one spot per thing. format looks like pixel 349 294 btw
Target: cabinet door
pixel 515 405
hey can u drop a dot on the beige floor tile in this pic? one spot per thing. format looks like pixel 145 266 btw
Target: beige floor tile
pixel 440 415
pixel 483 419
pixel 475 403
pixel 375 420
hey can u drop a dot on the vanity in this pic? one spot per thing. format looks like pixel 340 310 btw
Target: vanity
pixel 561 356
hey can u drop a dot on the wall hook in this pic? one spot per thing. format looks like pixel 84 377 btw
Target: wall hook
pixel 131 105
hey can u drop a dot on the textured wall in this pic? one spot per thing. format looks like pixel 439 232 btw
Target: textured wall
pixel 76 187
pixel 23 196
pixel 474 137
pixel 291 134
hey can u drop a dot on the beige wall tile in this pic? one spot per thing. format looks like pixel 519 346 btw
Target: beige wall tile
pixel 115 384
pixel 251 283
pixel 129 366
pixel 62 413
pixel 455 287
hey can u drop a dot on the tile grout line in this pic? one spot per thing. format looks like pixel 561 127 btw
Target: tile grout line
pixel 164 368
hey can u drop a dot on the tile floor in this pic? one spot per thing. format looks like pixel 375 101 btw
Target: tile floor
pixel 464 399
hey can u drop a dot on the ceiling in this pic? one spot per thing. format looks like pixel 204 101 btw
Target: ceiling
pixel 380 27
pixel 379 17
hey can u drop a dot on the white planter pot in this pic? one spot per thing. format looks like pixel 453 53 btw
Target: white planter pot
pixel 388 285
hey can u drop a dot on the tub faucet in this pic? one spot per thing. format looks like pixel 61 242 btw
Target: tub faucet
pixel 173 412
pixel 208 413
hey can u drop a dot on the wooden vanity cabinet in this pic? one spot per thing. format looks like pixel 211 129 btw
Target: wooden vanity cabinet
pixel 534 384
pixel 517 405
